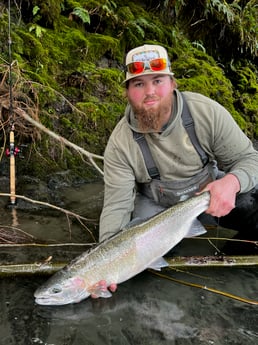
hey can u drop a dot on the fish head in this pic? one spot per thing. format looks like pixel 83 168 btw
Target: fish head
pixel 61 290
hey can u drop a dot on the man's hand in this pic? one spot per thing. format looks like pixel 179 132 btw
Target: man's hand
pixel 102 289
pixel 223 195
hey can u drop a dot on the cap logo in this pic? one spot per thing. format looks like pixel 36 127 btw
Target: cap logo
pixel 146 55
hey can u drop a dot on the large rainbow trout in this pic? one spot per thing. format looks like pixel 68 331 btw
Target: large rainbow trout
pixel 125 254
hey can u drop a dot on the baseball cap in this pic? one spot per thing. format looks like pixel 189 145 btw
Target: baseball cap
pixel 147 59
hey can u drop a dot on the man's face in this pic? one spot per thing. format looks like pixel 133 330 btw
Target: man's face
pixel 151 99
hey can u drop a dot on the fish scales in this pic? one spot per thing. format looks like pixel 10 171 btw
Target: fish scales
pixel 125 254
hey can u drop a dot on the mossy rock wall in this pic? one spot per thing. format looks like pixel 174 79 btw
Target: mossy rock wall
pixel 71 54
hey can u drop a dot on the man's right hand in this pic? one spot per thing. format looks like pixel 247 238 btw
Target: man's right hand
pixel 103 290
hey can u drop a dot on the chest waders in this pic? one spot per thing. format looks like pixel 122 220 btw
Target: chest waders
pixel 168 193
pixel 155 196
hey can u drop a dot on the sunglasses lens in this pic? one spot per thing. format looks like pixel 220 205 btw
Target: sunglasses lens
pixel 155 65
pixel 158 64
pixel 136 67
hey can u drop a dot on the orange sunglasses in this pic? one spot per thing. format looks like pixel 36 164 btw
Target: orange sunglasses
pixel 139 66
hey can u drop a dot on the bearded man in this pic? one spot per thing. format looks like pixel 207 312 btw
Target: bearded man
pixel 171 145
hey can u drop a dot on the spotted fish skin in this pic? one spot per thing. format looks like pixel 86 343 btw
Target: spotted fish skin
pixel 125 254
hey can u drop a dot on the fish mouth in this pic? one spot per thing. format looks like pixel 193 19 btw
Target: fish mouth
pixel 58 299
pixel 50 301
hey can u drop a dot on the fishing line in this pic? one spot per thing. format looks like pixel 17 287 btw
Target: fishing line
pixel 204 287
pixel 217 236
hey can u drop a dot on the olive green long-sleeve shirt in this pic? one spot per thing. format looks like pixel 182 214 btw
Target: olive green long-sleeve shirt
pixel 174 155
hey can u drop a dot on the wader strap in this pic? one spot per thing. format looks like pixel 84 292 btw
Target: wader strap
pixel 149 162
pixel 189 127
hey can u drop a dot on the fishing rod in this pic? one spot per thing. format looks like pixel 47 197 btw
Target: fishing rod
pixel 11 151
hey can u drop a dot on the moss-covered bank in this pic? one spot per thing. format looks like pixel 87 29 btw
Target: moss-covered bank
pixel 70 68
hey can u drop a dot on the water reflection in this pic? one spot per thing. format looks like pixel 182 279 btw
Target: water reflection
pixel 145 310
pixel 51 225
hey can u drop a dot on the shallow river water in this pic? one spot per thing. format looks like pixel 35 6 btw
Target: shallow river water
pixel 145 310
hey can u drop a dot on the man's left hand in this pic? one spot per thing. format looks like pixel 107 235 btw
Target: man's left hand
pixel 223 195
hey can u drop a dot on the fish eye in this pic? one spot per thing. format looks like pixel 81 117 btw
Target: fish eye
pixel 56 289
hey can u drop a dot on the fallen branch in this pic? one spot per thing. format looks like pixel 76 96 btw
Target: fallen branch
pixel 62 140
pixel 22 100
pixel 206 288
pixel 50 268
pixel 27 269
pixel 67 212
pixel 212 261
pixel 47 204
pixel 46 245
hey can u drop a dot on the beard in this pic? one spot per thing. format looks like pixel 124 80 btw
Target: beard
pixel 151 120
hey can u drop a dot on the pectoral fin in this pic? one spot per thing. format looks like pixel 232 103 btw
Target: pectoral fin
pixel 158 264
pixel 196 229
pixel 103 294
pixel 100 291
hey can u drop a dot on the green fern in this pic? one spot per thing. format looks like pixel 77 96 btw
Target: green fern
pixel 82 14
pixel 37 29
pixel 248 27
pixel 222 8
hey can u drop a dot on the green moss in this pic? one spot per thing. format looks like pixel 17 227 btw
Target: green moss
pixel 84 64
pixel 200 76
pixel 247 104
pixel 102 81
pixel 246 80
pixel 31 48
pixel 102 117
pixel 48 12
pixel 100 45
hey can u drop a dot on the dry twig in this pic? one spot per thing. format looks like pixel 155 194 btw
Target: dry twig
pixel 67 212
pixel 62 140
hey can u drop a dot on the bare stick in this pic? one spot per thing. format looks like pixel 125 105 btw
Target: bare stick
pixel 89 155
pixel 207 261
pixel 212 261
pixel 67 212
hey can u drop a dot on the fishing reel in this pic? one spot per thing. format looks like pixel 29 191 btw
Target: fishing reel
pixel 15 151
pixel 12 151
